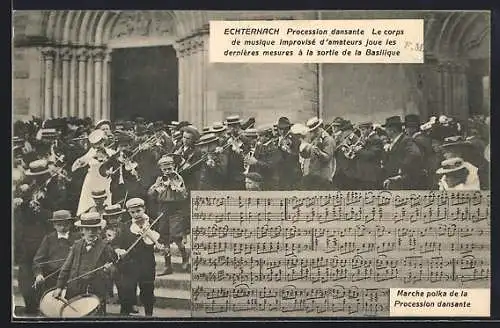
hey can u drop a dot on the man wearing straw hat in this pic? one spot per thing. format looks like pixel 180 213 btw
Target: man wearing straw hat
pixel 90 259
pixel 53 250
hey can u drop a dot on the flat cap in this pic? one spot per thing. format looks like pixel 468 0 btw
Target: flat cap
pixel 134 202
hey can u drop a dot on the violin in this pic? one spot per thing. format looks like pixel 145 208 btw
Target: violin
pixel 150 236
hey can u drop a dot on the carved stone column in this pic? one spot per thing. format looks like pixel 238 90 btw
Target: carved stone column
pixel 192 79
pixel 57 69
pixel 48 56
pixel 90 86
pixel 105 105
pixel 73 85
pixel 98 56
pixel 82 59
pixel 66 55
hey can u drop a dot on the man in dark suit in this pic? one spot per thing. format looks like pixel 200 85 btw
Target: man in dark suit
pixel 88 254
pixel 287 144
pixel 53 250
pixel 403 165
pixel 424 143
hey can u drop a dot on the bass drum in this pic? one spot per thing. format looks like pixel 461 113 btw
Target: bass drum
pixel 50 306
pixel 81 306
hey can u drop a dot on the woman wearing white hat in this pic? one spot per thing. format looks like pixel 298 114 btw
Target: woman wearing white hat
pixel 94 158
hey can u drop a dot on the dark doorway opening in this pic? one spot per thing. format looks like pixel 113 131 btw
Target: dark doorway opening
pixel 144 82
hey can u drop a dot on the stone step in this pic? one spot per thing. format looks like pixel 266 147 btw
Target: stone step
pixel 113 310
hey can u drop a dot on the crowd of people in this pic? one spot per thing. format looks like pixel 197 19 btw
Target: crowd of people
pixel 111 177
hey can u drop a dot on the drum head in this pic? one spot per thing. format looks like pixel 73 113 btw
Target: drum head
pixel 51 307
pixel 80 306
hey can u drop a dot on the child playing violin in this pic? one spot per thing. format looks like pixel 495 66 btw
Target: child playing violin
pixel 137 267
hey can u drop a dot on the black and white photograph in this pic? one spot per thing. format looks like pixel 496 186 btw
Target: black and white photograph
pixel 128 143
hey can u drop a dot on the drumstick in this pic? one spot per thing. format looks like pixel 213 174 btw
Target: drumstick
pixel 66 303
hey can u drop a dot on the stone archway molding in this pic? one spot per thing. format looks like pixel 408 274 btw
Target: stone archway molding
pixel 76 58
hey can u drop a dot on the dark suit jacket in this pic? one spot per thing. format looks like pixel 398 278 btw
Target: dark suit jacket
pixel 405 159
pixel 98 281
pixel 52 249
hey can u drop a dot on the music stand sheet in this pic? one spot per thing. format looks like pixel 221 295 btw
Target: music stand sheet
pixel 332 253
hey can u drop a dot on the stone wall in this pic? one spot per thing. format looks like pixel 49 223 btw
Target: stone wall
pixel 26 82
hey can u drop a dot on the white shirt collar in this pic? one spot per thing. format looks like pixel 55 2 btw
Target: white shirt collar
pixel 63 235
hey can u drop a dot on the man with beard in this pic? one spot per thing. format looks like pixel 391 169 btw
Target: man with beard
pixel 87 254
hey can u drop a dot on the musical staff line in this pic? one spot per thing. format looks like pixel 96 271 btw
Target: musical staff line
pixel 333 253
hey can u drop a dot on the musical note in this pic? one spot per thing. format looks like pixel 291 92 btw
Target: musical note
pixel 332 253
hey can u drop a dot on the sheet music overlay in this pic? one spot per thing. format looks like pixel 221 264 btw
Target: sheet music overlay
pixel 332 253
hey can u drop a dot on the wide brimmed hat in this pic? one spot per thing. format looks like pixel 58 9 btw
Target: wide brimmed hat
pixel 451 165
pixel 251 133
pixel 232 120
pixel 134 202
pixel 38 167
pixel 102 122
pixel 207 139
pixel 96 194
pixel 172 158
pixel 91 220
pixel 337 121
pixel 113 210
pixel 412 120
pixel 314 123
pixel 61 215
pixel 96 136
pixel 283 123
pixel 456 142
pixel 393 121
pixel 218 127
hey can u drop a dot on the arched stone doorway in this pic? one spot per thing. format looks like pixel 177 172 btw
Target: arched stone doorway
pixel 76 52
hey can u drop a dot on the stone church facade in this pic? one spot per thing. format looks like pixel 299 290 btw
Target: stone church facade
pixel 61 67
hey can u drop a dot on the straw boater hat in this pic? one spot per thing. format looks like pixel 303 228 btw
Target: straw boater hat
pixel 61 215
pixel 218 127
pixel 206 130
pixel 451 165
pixel 173 124
pixel 314 123
pixel 113 210
pixel 91 220
pixel 96 136
pixel 38 167
pixel 134 202
pixel 99 194
pixel 233 120
pixel 207 139
pixel 102 122
pixel 251 133
pixel 299 129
